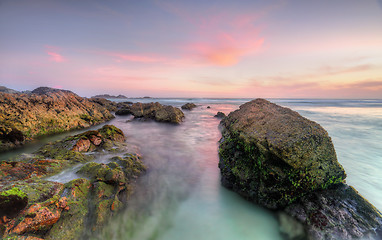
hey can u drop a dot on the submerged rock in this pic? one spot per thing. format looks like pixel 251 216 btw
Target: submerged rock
pixel 273 156
pixel 220 115
pixel 23 117
pixel 189 106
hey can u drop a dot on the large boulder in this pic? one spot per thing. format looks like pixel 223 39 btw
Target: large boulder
pixel 275 157
pixel 24 117
pixel 272 155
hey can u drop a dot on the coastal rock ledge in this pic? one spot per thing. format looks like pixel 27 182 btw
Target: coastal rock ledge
pixel 274 157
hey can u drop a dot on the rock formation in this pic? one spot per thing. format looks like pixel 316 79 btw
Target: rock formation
pixel 275 157
pixel 155 111
pixel 108 96
pixel 45 111
pixel 188 106
pixel 7 90
pixel 31 206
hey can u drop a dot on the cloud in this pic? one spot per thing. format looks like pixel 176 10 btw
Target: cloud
pixel 322 72
pixel 219 37
pixel 54 54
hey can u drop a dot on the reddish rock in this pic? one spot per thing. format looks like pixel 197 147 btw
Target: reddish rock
pixel 13 171
pixel 96 139
pixel 37 218
pixel 82 145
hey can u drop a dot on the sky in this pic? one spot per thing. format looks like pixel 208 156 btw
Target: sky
pixel 174 48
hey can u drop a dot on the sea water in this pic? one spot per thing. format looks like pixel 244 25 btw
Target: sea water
pixel 180 196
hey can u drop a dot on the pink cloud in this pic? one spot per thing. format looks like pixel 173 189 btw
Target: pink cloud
pixel 54 54
pixel 220 38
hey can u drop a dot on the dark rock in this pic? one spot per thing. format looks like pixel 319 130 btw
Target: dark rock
pixel 12 201
pixel 188 106
pixel 272 155
pixel 208 107
pixel 337 213
pixel 220 115
pixel 109 105
pixel 124 111
pixel 48 90
pixel 157 112
pixel 107 96
pixel 7 90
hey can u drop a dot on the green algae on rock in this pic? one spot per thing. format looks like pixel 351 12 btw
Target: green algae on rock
pixel 272 155
pixel 12 201
pixel 54 210
pixel 45 111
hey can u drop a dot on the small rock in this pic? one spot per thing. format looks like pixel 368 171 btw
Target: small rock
pixel 188 106
pixel 220 115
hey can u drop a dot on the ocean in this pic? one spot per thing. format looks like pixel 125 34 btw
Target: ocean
pixel 180 196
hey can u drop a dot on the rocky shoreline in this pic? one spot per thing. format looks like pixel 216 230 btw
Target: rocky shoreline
pixel 32 206
pixel 276 158
pixel 45 111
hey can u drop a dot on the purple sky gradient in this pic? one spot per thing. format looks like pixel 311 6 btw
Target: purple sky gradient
pixel 162 48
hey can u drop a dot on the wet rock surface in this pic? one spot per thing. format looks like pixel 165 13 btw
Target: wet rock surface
pixel 337 213
pixel 157 112
pixel 273 156
pixel 44 111
pixel 189 106
pixel 220 115
pixel 50 210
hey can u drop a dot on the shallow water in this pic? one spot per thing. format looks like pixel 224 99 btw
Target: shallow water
pixel 180 197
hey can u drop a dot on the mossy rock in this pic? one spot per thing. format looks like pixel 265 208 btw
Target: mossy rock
pixel 102 172
pixel 61 150
pixel 272 155
pixel 131 165
pixel 72 222
pixel 113 133
pixel 12 201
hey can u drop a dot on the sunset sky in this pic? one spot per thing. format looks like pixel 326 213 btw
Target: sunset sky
pixel 199 48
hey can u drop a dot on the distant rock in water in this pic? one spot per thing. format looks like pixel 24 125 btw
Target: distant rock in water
pixel 273 156
pixel 7 90
pixel 220 115
pixel 48 90
pixel 189 106
pixel 44 111
pixel 107 96
pixel 157 112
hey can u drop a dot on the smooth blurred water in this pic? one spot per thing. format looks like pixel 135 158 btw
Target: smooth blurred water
pixel 180 197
